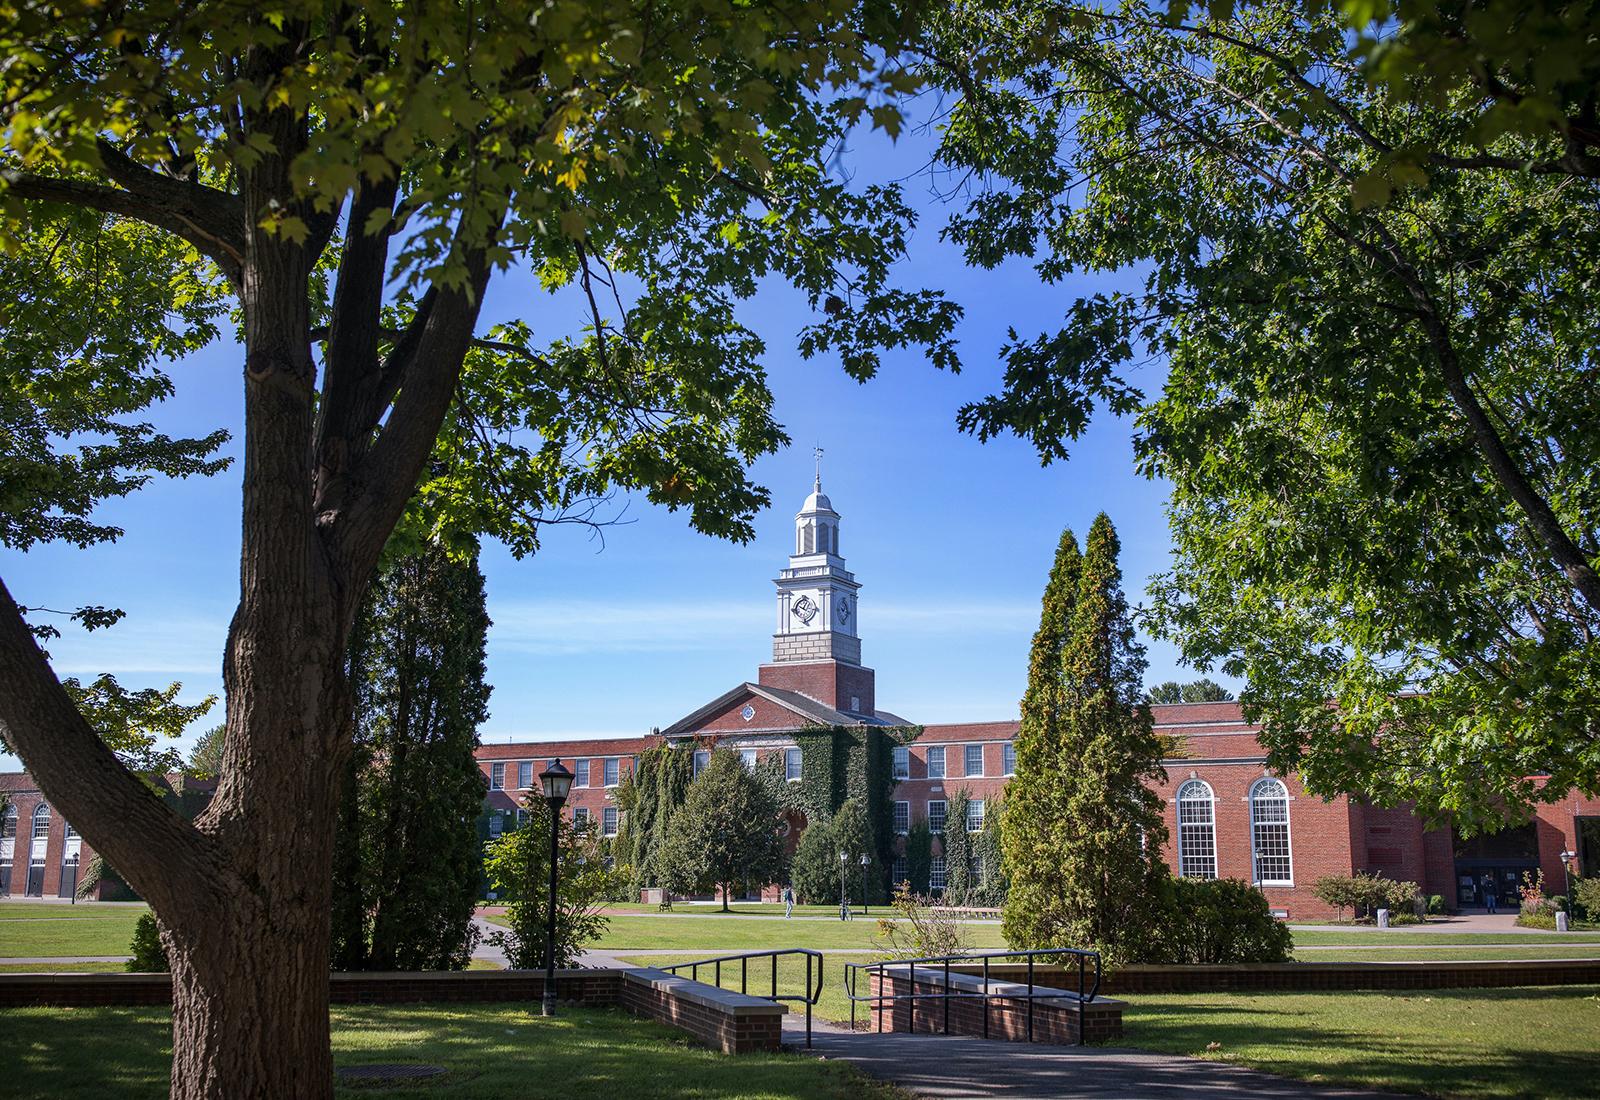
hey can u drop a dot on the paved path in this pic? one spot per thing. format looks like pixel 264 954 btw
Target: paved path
pixel 1498 923
pixel 951 1066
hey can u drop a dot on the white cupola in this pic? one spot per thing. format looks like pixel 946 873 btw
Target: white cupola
pixel 817 611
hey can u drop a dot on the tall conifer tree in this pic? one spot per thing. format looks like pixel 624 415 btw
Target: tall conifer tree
pixel 407 856
pixel 1084 829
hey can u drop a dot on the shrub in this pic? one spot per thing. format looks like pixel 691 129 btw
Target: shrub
pixel 1435 904
pixel 1532 891
pixel 149 956
pixel 1365 893
pixel 1221 920
pixel 518 866
pixel 1537 918
pixel 1559 903
pixel 1586 898
pixel 919 931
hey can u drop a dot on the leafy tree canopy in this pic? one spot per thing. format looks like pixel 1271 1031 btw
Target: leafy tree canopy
pixel 1379 334
pixel 1203 690
pixel 726 833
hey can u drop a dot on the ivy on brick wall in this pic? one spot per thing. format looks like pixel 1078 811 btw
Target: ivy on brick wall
pixel 648 798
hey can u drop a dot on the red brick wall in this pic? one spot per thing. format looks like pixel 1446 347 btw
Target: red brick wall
pixel 833 683
pixel 1130 981
pixel 997 1017
pixel 22 794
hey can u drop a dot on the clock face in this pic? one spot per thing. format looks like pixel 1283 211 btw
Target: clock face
pixel 805 610
pixel 844 610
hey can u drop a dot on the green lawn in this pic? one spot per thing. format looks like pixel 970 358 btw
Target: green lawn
pixel 28 931
pixel 712 935
pixel 63 968
pixel 1530 1042
pixel 491 1051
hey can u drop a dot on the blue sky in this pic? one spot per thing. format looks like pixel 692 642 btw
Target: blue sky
pixel 951 539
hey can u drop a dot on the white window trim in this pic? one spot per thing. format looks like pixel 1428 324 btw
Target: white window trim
pixel 800 760
pixel 521 786
pixel 1288 830
pixel 966 772
pixel 928 809
pixel 1004 745
pixel 1211 800
pixel 971 802
pixel 907 804
pixel 500 783
pixel 944 760
pixel 900 763
pixel 605 767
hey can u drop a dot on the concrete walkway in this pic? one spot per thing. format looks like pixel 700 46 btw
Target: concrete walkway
pixel 1498 923
pixel 953 1066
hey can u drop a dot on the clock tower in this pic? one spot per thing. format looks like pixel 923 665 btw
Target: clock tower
pixel 816 650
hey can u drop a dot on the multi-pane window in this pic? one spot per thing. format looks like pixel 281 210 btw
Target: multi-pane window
pixel 902 817
pixel 936 875
pixel 1197 831
pixel 610 771
pixel 791 765
pixel 524 774
pixel 1008 759
pixel 580 776
pixel 608 821
pixel 974 759
pixel 1269 833
pixel 702 757
pixel 975 810
pixel 936 762
pixel 936 809
pixel 497 777
pixel 897 870
pixel 522 817
pixel 748 758
pixel 902 762
pixel 8 824
pixel 496 824
pixel 580 816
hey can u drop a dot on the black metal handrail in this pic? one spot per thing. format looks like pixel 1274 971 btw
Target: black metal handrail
pixel 808 998
pixel 1086 991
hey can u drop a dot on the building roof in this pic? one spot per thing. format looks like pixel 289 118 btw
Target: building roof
pixel 809 710
pixel 586 747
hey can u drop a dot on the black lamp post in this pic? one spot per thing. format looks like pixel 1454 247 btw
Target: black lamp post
pixel 556 781
pixel 864 898
pixel 844 898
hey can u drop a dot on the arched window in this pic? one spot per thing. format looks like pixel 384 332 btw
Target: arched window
pixel 41 820
pixel 1269 833
pixel 1197 831
pixel 8 823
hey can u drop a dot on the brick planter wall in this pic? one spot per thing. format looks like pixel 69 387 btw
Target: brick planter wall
pixel 1055 1019
pixel 730 1022
pixel 1311 977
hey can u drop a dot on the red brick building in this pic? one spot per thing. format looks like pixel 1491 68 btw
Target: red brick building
pixel 1227 815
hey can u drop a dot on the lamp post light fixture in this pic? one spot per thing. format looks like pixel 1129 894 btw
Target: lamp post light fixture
pixel 557 782
pixel 844 897
pixel 864 898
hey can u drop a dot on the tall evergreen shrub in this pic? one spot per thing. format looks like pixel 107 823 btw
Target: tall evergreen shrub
pixel 407 862
pixel 1084 827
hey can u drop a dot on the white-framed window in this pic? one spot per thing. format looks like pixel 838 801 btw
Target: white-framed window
pixel 1197 831
pixel 497 777
pixel 1008 759
pixel 41 821
pixel 936 762
pixel 748 758
pixel 524 775
pixel 975 810
pixel 897 870
pixel 580 773
pixel 702 757
pixel 791 765
pixel 936 875
pixel 608 821
pixel 902 763
pixel 902 818
pixel 974 759
pixel 580 816
pixel 936 810
pixel 1269 833
pixel 8 824
pixel 610 771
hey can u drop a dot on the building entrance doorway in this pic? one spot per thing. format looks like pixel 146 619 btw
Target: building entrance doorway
pixel 1493 864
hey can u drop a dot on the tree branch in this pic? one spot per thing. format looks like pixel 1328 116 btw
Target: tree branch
pixel 162 855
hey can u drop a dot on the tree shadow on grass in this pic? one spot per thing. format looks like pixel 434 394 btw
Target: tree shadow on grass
pixel 490 1051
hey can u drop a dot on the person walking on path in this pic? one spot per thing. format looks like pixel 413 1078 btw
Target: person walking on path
pixel 788 902
pixel 1489 899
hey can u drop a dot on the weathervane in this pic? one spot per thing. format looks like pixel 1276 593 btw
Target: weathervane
pixel 816 453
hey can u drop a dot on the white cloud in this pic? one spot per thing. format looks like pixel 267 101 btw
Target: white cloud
pixel 178 648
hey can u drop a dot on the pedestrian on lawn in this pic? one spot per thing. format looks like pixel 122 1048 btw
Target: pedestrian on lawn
pixel 788 902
